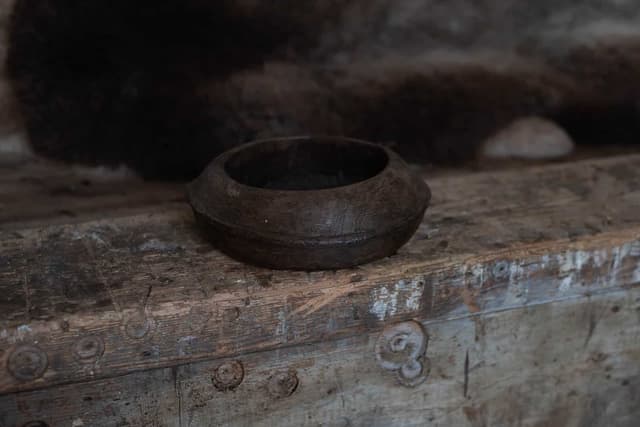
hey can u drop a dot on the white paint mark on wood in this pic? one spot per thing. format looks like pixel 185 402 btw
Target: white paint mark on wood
pixel 635 252
pixel 635 249
pixel 565 284
pixel 600 257
pixel 384 302
pixel 619 253
pixel 381 300
pixel 517 289
pixel 281 326
pixel 23 329
pixel 417 289
pixel 477 272
pixel 636 274
pixel 573 261
pixel 519 277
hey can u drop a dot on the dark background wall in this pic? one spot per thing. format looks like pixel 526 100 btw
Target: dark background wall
pixel 163 86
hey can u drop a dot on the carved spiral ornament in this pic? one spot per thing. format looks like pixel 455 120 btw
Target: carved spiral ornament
pixel 401 349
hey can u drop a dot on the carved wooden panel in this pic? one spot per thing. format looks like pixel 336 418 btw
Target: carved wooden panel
pixel 576 359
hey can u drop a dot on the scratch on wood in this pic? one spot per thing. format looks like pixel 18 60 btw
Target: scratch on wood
pixel 338 385
pixel 112 297
pixel 281 327
pixel 27 296
pixel 592 328
pixel 146 297
pixel 176 388
pixel 466 374
pixel 317 303
pixel 101 277
pixel 593 323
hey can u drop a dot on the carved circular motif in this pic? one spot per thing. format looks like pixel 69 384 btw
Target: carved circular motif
pixel 401 349
pixel 138 326
pixel 27 363
pixel 282 384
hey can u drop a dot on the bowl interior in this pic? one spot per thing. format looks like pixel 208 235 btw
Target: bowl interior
pixel 306 164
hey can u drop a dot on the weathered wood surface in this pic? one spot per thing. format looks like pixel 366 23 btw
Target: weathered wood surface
pixel 36 192
pixel 570 363
pixel 157 295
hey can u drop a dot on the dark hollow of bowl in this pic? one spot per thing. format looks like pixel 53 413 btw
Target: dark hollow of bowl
pixel 309 203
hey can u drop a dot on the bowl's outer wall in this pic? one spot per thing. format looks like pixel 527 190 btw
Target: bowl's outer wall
pixel 278 256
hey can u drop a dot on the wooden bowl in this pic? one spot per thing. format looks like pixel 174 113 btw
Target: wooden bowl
pixel 309 203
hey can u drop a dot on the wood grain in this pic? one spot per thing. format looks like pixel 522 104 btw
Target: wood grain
pixel 158 296
pixel 568 363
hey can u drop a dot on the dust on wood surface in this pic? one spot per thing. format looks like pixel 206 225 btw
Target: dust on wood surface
pixel 132 269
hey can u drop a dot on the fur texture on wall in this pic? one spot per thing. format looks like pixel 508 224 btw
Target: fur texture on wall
pixel 163 86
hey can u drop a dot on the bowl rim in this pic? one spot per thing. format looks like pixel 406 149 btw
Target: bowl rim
pixel 221 161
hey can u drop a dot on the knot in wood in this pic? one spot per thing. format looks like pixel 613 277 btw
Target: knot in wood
pixel 27 363
pixel 401 349
pixel 228 376
pixel 88 349
pixel 282 384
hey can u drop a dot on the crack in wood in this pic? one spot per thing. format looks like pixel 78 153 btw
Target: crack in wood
pixel 176 389
pixel 466 374
pixel 27 296
pixel 145 300
pixel 594 319
pixel 101 277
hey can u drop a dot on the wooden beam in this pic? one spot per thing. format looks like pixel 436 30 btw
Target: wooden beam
pixel 150 292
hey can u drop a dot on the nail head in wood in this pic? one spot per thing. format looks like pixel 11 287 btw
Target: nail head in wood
pixel 88 349
pixel 228 376
pixel 283 384
pixel 138 326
